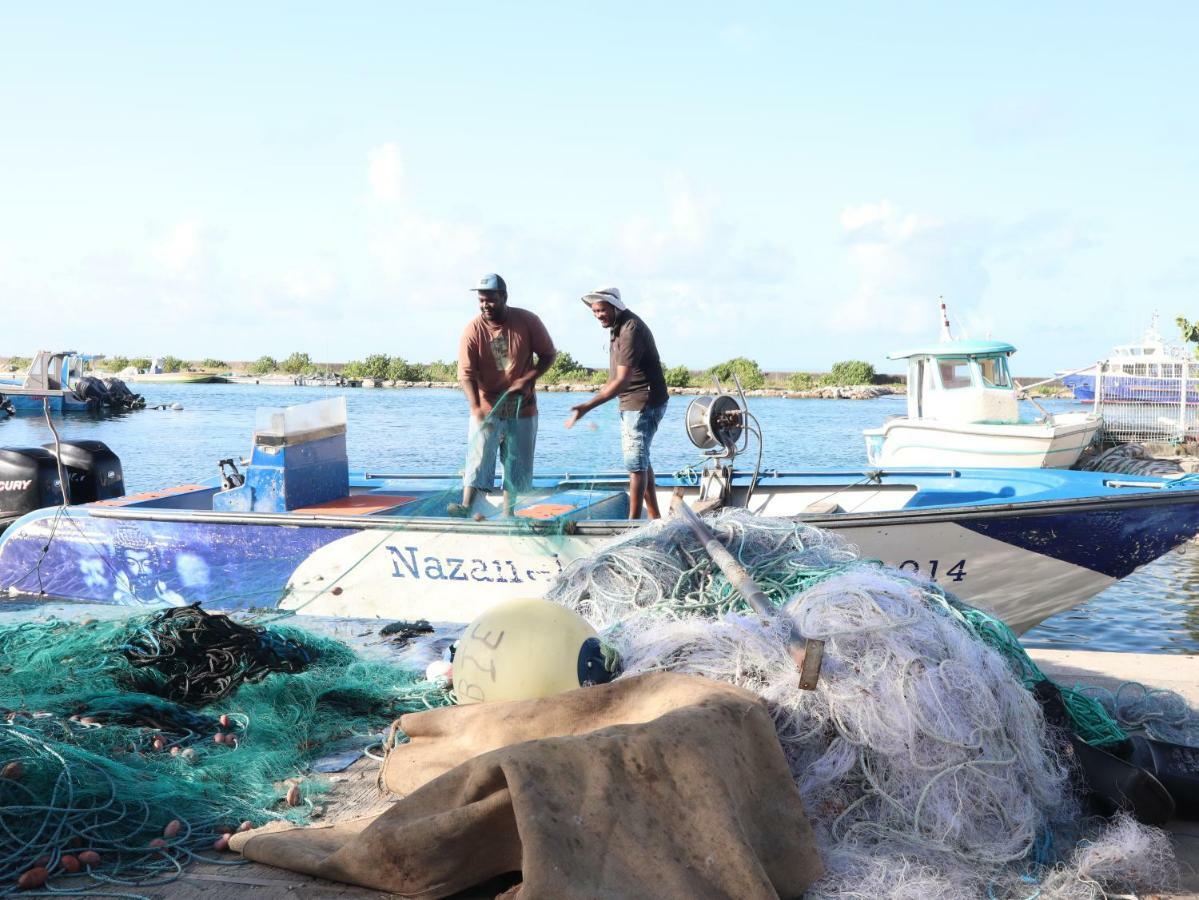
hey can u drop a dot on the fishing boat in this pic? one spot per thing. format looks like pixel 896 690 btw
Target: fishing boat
pixel 296 530
pixel 1151 370
pixel 964 410
pixel 61 379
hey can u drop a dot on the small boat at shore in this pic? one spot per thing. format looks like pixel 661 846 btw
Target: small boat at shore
pixel 297 531
pixel 963 410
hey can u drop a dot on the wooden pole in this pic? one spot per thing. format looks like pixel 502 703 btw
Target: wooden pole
pixel 807 652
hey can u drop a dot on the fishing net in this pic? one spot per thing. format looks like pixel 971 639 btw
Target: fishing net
pixel 140 739
pixel 1129 459
pixel 924 761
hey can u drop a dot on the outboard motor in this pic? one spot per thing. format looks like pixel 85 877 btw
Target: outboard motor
pixel 28 481
pixel 6 408
pixel 91 390
pixel 120 397
pixel 94 471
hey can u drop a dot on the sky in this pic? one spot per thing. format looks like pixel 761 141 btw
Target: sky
pixel 796 183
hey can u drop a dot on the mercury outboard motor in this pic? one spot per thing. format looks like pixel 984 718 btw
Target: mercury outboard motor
pixel 94 471
pixel 120 397
pixel 28 481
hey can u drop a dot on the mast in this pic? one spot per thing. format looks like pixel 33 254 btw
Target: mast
pixel 946 334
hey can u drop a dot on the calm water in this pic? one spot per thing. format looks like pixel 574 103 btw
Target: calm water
pixel 1157 609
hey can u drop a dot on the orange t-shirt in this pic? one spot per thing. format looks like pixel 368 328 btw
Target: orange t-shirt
pixel 493 356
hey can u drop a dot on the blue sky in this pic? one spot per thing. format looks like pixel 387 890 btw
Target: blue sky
pixel 796 183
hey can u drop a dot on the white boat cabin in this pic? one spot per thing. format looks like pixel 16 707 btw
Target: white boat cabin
pixel 961 381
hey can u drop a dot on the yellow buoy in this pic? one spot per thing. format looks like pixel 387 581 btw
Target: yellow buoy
pixel 523 649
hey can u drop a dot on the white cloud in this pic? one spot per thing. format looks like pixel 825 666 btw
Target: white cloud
pixel 180 248
pixel 386 173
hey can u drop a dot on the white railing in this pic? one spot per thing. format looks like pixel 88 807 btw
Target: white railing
pixel 1162 410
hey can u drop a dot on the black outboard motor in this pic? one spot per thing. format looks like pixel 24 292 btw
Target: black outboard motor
pixel 91 391
pixel 120 397
pixel 28 481
pixel 94 471
pixel 6 408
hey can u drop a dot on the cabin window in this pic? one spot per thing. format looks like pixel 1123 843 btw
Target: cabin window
pixel 1152 370
pixel 1135 369
pixel 994 372
pixel 1171 370
pixel 955 373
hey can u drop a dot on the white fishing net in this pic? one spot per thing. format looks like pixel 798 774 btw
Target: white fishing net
pixel 923 762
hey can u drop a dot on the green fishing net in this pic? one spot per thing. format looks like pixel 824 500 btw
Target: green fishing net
pixel 109 734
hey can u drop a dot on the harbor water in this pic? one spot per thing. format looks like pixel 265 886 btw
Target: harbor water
pixel 395 430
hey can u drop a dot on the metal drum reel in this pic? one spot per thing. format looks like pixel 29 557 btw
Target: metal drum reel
pixel 720 425
pixel 716 425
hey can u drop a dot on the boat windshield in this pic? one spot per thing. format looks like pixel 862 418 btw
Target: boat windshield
pixel 994 372
pixel 955 373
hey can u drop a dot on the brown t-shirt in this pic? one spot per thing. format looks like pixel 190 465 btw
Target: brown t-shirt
pixel 493 356
pixel 632 345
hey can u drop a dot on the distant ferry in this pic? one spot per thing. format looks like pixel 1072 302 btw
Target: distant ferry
pixel 1147 371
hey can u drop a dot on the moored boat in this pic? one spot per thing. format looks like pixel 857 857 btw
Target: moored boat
pixel 301 533
pixel 963 410
pixel 61 379
pixel 1151 370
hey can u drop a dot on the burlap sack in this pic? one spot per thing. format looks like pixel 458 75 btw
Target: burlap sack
pixel 693 798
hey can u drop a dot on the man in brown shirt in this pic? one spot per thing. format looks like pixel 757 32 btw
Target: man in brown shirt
pixel 501 354
pixel 635 375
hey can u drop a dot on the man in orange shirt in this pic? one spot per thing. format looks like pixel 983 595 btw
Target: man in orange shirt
pixel 501 354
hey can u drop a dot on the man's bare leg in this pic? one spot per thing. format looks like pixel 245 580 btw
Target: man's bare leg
pixel 650 491
pixel 636 493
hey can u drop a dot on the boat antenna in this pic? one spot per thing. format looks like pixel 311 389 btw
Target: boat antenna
pixel 946 334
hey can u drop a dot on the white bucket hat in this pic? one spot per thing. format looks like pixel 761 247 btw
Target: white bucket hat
pixel 608 295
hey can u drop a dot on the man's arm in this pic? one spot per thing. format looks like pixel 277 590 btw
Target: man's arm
pixel 466 377
pixel 543 347
pixel 603 395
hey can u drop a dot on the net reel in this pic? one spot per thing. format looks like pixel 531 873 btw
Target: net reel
pixel 715 425
pixel 720 425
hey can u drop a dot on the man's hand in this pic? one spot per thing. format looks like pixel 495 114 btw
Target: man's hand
pixel 518 385
pixel 576 413
pixel 477 414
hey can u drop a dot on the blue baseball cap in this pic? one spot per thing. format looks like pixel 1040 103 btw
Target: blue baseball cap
pixel 491 282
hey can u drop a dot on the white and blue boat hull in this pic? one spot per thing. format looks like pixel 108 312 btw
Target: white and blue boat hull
pixel 1024 544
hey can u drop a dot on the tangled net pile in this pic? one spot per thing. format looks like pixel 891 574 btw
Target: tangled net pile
pixel 1130 459
pixel 108 748
pixel 924 762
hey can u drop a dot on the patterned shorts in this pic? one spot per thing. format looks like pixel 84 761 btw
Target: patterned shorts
pixel 637 430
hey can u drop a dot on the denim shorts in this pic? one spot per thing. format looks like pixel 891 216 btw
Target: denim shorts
pixel 637 430
pixel 515 440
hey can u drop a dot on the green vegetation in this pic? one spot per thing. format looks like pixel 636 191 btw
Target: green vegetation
pixel 677 377
pixel 849 372
pixel 398 369
pixel 297 364
pixel 172 364
pixel 264 365
pixel 140 362
pixel 381 367
pixel 566 370
pixel 801 381
pixel 19 363
pixel 746 370
pixel 1190 331
pixel 599 377
pixel 209 363
pixel 116 363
